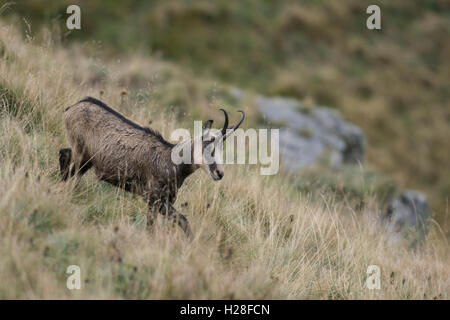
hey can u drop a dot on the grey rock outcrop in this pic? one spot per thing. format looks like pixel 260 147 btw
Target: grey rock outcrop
pixel 311 135
pixel 408 217
pixel 307 135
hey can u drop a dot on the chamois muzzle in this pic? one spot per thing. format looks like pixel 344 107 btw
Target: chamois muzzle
pixel 217 175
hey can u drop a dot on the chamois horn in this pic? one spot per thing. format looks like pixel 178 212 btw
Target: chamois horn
pixel 225 134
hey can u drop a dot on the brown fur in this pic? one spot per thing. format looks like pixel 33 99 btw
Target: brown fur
pixel 125 154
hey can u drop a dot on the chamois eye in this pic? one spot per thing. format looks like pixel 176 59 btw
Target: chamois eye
pixel 210 140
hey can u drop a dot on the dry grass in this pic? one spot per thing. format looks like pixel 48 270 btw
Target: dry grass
pixel 255 237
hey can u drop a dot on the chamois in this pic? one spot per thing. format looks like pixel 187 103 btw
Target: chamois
pixel 134 158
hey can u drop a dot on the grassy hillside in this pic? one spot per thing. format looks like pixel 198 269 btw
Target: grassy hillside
pixel 393 83
pixel 255 236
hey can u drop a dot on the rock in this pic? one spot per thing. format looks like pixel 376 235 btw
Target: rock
pixel 408 217
pixel 307 134
pixel 237 93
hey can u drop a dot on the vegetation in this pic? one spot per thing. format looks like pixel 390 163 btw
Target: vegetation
pixel 311 235
pixel 392 82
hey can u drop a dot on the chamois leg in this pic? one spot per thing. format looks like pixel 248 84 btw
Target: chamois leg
pixel 169 212
pixel 84 167
pixel 81 165
pixel 151 215
pixel 180 219
pixel 65 157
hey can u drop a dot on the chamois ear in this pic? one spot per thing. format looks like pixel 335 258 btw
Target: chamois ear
pixel 207 125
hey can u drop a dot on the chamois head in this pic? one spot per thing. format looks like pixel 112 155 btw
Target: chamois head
pixel 212 146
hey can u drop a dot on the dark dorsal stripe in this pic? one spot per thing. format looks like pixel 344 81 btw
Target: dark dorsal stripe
pixel 124 119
